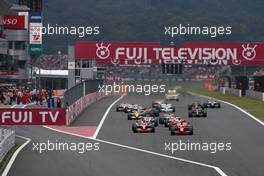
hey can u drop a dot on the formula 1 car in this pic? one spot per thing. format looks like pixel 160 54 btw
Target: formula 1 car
pixel 136 115
pixel 182 128
pixel 157 104
pixel 166 107
pixel 212 104
pixel 121 107
pixel 163 118
pixel 171 121
pixel 172 95
pixel 195 105
pixel 132 107
pixel 152 112
pixel 197 111
pixel 144 125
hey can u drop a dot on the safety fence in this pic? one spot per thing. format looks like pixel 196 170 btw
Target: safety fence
pixel 7 141
pixel 80 105
pixel 226 90
pixel 255 94
pixel 75 93
pixel 79 97
pixel 238 92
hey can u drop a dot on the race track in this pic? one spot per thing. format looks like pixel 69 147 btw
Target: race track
pixel 116 157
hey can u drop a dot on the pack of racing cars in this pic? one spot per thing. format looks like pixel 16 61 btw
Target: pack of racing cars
pixel 163 113
pixel 147 119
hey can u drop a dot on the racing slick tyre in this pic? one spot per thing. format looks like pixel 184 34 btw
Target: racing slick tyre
pixel 153 130
pixel 173 109
pixel 161 119
pixel 219 106
pixel 166 123
pixel 117 109
pixel 191 130
pixel 156 123
pixel 189 107
pixel 134 128
pixel 190 115
pixel 173 131
pixel 155 112
pixel 205 114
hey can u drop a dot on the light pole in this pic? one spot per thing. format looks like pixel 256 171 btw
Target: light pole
pixel 59 54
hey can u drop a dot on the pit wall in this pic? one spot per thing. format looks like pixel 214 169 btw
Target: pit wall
pixel 80 105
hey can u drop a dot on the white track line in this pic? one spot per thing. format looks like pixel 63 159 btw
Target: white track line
pixel 240 109
pixel 217 169
pixel 105 115
pixel 12 160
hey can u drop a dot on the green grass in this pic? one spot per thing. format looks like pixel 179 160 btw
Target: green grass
pixel 253 106
pixel 7 157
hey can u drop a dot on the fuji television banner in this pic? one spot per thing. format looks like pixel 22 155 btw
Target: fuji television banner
pixel 35 33
pixel 203 53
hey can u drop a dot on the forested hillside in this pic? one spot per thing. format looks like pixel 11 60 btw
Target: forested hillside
pixel 143 20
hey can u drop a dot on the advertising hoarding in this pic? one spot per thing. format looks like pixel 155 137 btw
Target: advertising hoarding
pixel 201 53
pixel 14 22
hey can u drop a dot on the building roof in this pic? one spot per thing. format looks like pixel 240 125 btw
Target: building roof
pixel 5 6
pixel 19 7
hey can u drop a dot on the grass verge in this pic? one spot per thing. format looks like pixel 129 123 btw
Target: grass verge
pixel 7 157
pixel 253 106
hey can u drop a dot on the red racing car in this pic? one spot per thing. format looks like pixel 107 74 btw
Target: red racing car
pixel 121 107
pixel 182 128
pixel 144 125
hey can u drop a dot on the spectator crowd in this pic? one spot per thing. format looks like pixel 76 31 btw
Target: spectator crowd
pixel 22 95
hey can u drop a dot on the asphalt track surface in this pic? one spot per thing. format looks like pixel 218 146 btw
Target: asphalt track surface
pixel 222 125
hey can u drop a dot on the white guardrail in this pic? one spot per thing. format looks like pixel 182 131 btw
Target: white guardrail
pixel 254 94
pixel 7 141
pixel 232 91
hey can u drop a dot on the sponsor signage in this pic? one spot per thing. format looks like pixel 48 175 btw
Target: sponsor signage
pixel 41 116
pixel 71 65
pixel 35 49
pixel 210 53
pixel 6 72
pixel 25 14
pixel 35 17
pixel 14 22
pixel 35 36
pixel 205 76
pixel 35 33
